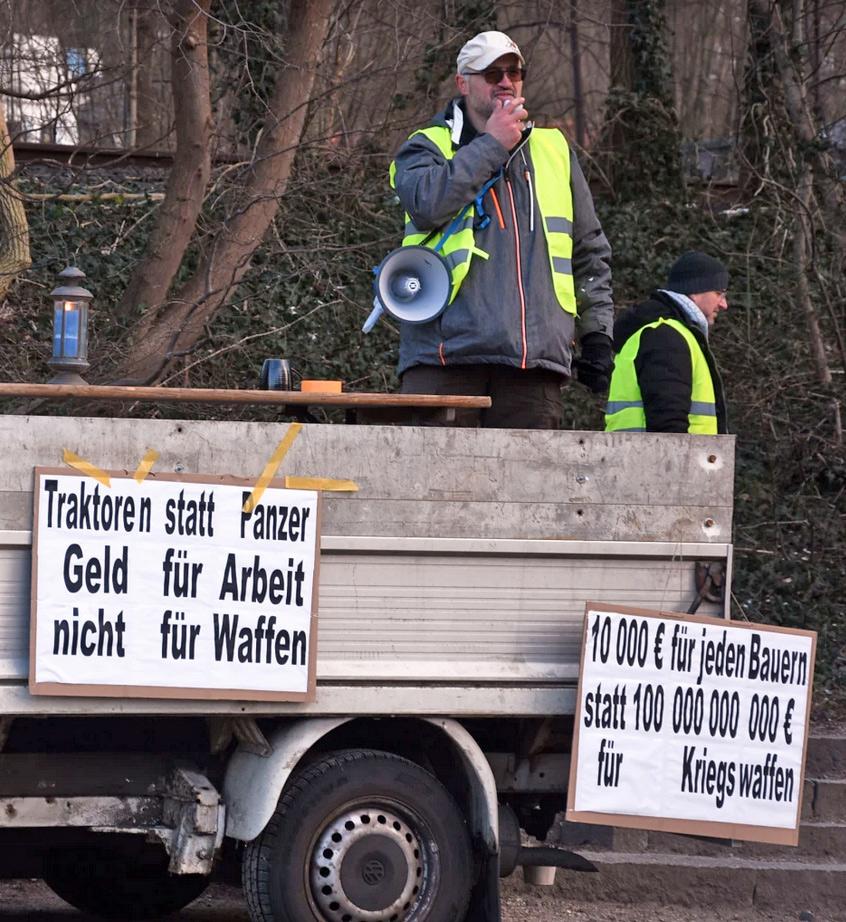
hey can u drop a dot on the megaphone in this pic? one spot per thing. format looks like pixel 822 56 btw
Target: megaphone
pixel 412 284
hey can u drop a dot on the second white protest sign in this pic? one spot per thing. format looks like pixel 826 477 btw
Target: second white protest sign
pixel 691 724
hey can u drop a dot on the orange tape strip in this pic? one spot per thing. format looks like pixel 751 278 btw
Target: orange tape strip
pixel 271 467
pixel 321 483
pixel 146 465
pixel 85 467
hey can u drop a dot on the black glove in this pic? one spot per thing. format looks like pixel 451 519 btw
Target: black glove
pixel 594 365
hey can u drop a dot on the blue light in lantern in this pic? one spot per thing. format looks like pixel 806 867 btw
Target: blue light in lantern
pixel 71 331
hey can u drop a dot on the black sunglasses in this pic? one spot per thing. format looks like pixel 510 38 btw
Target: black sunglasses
pixel 494 75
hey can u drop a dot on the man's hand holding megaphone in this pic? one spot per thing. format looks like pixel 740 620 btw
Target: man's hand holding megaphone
pixel 506 122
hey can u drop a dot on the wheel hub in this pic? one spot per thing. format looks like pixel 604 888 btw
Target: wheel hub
pixel 373 871
pixel 367 866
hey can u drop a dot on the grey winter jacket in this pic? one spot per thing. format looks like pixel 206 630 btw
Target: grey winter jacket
pixel 485 323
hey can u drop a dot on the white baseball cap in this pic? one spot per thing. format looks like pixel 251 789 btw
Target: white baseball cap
pixel 485 48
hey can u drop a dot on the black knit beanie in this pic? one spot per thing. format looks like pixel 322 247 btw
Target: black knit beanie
pixel 695 272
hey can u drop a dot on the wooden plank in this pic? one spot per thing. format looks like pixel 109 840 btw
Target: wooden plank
pixel 94 392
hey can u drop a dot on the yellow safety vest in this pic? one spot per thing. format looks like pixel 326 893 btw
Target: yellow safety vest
pixel 551 159
pixel 624 412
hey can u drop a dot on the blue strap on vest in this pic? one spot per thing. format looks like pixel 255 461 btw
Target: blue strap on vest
pixel 458 220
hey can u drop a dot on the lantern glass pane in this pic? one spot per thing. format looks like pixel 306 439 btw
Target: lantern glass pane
pixel 82 352
pixel 70 344
pixel 58 322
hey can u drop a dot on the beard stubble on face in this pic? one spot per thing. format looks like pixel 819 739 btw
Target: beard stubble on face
pixel 481 104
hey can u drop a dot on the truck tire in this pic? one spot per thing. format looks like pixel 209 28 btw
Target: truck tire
pixel 361 836
pixel 113 884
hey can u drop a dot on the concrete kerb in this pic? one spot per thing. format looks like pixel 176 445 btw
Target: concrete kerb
pixel 697 880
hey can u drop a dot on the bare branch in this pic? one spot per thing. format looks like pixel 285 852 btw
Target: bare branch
pixel 53 90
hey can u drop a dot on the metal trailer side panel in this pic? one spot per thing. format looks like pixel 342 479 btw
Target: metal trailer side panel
pixel 419 482
pixel 481 549
pixel 417 610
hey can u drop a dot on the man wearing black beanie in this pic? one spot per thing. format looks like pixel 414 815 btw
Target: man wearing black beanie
pixel 665 378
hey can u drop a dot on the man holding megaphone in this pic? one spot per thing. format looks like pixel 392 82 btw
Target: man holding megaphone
pixel 507 209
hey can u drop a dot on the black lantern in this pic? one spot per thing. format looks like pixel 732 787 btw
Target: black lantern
pixel 70 327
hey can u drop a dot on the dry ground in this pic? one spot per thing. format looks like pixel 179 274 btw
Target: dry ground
pixel 31 901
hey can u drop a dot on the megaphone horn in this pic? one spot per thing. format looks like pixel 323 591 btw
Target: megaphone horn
pixel 404 287
pixel 412 284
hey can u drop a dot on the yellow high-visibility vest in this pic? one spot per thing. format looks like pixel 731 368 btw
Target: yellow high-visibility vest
pixel 624 412
pixel 550 155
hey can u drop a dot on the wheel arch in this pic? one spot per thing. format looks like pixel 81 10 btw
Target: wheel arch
pixel 253 783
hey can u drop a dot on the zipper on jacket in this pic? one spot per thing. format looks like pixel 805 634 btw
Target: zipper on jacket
pixel 531 202
pixel 520 290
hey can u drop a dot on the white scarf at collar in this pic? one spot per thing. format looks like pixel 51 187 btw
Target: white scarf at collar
pixel 692 312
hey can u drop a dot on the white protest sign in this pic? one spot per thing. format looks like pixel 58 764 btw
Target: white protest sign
pixel 167 588
pixel 691 724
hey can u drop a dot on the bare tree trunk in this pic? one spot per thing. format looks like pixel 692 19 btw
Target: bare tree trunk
pixel 333 119
pixel 132 82
pixel 613 132
pixel 148 123
pixel 801 117
pixel 814 168
pixel 189 175
pixel 801 238
pixel 14 231
pixel 641 134
pixel 173 331
pixel 698 65
pixel 576 63
pixel 622 68
pixel 816 61
pixel 803 234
